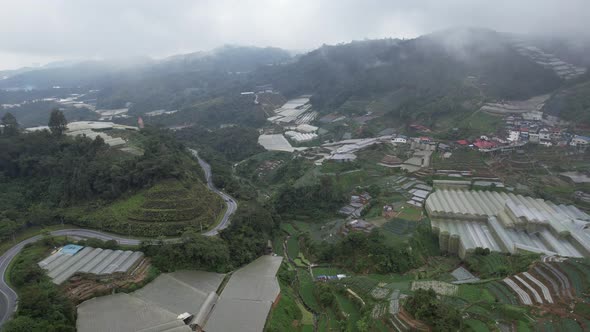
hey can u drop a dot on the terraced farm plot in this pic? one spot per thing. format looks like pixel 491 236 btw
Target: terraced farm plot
pixel 476 325
pixel 380 293
pixel 277 246
pixel 497 264
pixel 349 309
pixel 293 247
pixel 462 160
pixel 442 288
pixel 166 209
pixel 288 228
pixel 306 287
pixel 171 201
pixel 575 277
pixel 501 292
pixel 328 321
pixel 327 271
pixel 475 293
pixel 569 325
pixel 360 285
pixel 410 213
pixel 400 227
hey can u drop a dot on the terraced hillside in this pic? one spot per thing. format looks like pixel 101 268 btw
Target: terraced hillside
pixel 172 201
pixel 168 208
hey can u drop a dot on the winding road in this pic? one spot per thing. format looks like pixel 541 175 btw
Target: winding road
pixel 231 203
pixel 9 298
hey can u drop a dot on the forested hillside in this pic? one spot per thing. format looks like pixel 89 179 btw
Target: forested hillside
pixel 47 178
pixel 436 76
pixel 431 75
pixel 572 103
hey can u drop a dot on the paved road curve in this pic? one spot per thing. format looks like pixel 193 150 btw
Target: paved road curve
pixel 8 297
pixel 232 205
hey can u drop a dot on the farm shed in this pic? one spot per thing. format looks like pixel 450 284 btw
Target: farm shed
pixel 467 219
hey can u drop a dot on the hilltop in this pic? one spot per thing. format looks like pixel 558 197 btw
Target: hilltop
pixel 155 189
pixel 435 78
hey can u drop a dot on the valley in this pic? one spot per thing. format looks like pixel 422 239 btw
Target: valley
pixel 437 183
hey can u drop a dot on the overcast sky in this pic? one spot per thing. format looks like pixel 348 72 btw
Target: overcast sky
pixel 39 31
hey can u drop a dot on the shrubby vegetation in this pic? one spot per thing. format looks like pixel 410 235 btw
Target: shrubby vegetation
pixel 222 148
pixel 46 177
pixel 42 306
pixel 488 264
pixel 242 242
pixel 572 103
pixel 365 253
pixel 250 229
pixel 312 200
pixel 425 306
pixel 194 251
pixel 233 143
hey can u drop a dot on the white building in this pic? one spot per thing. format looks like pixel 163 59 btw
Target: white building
pixel 513 136
pixel 580 141
pixel 533 116
pixel 343 157
pixel 400 139
pixel 544 135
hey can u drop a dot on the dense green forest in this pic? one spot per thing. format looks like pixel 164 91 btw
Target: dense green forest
pixel 572 103
pixel 425 306
pixel 43 174
pixel 42 306
pixel 436 76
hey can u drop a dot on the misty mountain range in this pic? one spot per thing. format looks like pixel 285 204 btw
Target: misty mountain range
pixel 446 72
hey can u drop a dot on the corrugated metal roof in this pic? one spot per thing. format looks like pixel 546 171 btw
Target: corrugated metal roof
pixel 60 267
pixel 506 222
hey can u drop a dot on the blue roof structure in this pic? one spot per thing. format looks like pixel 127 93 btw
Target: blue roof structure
pixel 71 249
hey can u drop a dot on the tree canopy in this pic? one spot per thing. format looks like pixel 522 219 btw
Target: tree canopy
pixel 10 125
pixel 57 122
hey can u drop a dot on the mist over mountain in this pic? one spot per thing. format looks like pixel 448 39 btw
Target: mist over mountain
pixel 432 76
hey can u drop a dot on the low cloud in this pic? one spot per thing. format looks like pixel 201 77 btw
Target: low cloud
pixel 37 30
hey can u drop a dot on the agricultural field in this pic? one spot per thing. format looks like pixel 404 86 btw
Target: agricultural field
pixel 400 227
pixel 165 209
pixel 411 213
pixel 498 264
pixel 360 284
pixel 475 294
pixel 462 160
pixel 293 247
pixel 306 286
pixel 349 310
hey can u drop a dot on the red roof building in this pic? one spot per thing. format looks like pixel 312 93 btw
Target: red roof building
pixel 481 144
pixel 462 142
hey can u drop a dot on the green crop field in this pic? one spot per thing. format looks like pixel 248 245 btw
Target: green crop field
pixel 282 316
pixel 400 227
pixel 575 277
pixel 360 284
pixel 277 246
pixel 350 310
pixel 328 271
pixel 306 287
pixel 288 228
pixel 410 213
pixel 499 265
pixel 476 325
pixel 166 209
pixel 475 293
pixel 501 292
pixel 570 325
pixel 293 247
